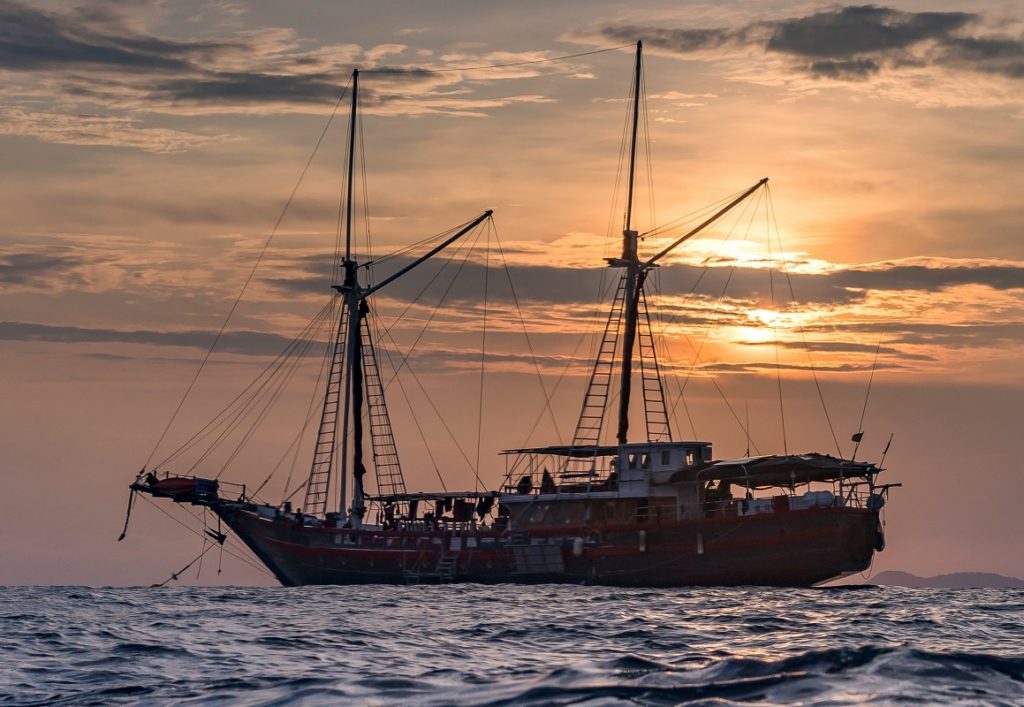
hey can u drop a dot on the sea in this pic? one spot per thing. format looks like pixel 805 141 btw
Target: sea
pixel 509 645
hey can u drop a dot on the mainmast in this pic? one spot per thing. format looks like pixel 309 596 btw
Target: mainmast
pixel 634 275
pixel 627 308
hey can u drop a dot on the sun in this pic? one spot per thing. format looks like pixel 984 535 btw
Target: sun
pixel 767 317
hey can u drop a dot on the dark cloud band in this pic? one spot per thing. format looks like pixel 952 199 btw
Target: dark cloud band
pixel 852 42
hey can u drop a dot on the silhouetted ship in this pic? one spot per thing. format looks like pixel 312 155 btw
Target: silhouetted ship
pixel 657 512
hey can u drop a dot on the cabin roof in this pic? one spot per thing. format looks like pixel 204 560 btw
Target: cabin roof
pixel 607 450
pixel 776 470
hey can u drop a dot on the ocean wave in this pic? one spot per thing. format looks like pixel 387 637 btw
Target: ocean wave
pixel 477 645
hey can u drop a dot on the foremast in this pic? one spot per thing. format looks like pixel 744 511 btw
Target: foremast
pixel 354 376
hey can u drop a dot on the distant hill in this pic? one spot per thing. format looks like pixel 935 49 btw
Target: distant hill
pixel 956 580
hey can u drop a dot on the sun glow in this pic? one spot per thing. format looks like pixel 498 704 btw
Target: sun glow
pixel 750 253
pixel 767 317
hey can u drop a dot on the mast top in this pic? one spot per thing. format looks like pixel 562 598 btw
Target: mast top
pixel 351 165
pixel 629 235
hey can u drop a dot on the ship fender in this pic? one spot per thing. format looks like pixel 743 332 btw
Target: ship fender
pixel 577 547
pixel 642 541
pixel 879 534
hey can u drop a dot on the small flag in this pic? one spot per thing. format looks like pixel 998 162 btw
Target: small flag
pixel 857 437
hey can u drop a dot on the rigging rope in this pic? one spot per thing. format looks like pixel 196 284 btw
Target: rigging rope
pixel 262 379
pixel 404 362
pixel 500 66
pixel 663 320
pixel 803 334
pixel 647 151
pixel 697 350
pixel 569 365
pixel 483 356
pixel 437 307
pixel 174 575
pixel 311 409
pixel 526 334
pixel 249 278
pixel 412 412
pixel 867 394
pixel 775 330
pixel 275 396
pixel 263 400
pixel 241 558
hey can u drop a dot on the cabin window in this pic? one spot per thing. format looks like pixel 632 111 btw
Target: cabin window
pixel 645 461
pixel 666 457
pixel 689 457
pixel 632 461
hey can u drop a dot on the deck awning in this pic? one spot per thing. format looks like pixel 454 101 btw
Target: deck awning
pixel 432 495
pixel 566 450
pixel 776 470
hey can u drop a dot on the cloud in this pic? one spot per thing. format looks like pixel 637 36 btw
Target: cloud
pixel 851 44
pixel 96 54
pixel 249 343
pixel 940 274
pixel 578 285
pixel 35 269
pixel 853 347
pixel 676 41
pixel 995 55
pixel 113 130
pixel 865 29
pixel 920 307
pixel 953 336
pixel 765 366
pixel 32 40
pixel 846 69
pixel 107 76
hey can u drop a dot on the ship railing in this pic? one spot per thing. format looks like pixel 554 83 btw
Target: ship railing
pixel 851 495
pixel 440 526
pixel 235 489
pixel 461 512
pixel 864 494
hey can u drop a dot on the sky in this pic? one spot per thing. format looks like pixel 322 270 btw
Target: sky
pixel 149 148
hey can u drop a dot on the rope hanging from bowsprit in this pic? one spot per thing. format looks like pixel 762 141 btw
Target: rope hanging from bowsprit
pixel 174 575
pixel 128 515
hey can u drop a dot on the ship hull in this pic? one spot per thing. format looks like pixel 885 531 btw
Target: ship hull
pixel 796 549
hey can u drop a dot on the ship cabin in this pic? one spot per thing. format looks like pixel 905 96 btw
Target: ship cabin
pixel 560 484
pixel 655 482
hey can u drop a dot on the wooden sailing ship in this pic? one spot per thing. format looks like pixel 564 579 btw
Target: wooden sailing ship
pixel 656 512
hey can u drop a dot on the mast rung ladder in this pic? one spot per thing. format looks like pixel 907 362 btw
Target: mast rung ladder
pixel 656 415
pixel 318 484
pixel 385 453
pixel 595 400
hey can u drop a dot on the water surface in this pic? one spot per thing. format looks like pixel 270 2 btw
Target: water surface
pixel 476 645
